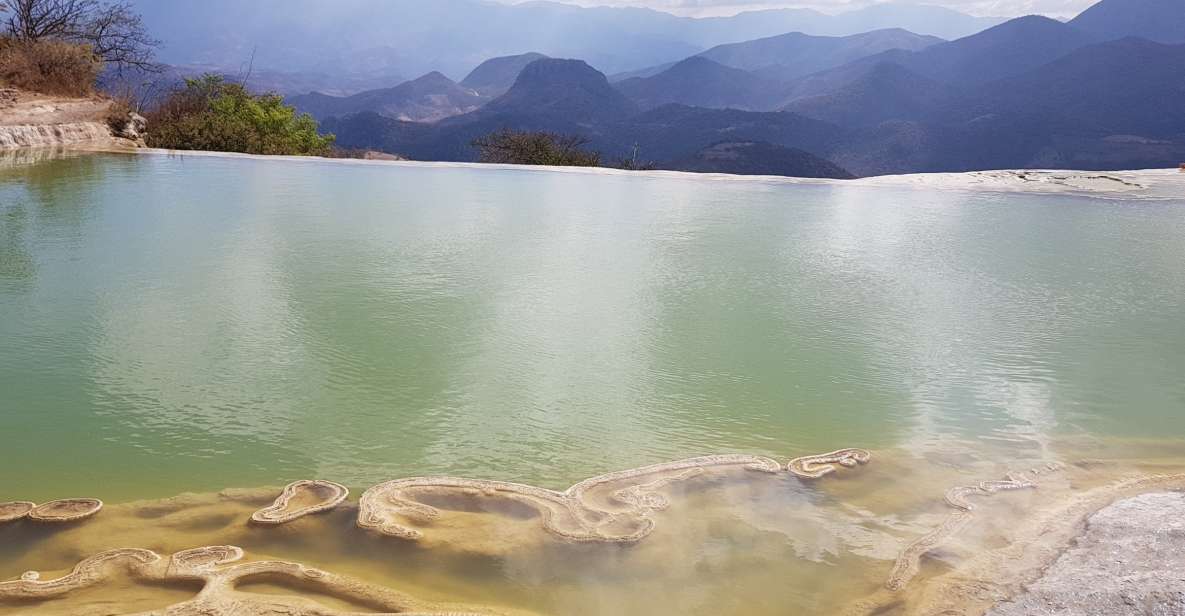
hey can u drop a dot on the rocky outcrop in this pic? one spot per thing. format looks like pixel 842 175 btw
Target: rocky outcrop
pixel 30 120
pixel 134 129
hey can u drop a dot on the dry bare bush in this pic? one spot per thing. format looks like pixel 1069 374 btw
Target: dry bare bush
pixel 49 66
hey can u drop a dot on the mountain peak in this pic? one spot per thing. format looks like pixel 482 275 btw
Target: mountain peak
pixel 435 77
pixel 701 81
pixel 495 76
pixel 565 87
pixel 698 63
pixel 555 71
pixel 1026 24
pixel 786 57
pixel 427 98
pixel 1162 21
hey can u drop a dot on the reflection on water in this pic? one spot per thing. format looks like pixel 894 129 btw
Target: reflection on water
pixel 174 324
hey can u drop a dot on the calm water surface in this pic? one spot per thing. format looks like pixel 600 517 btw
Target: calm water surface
pixel 184 324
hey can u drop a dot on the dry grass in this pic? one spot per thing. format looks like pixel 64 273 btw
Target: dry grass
pixel 48 67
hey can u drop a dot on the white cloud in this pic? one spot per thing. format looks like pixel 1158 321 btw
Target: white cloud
pixel 1006 8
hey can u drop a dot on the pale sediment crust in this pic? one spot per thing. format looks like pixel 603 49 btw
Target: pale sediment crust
pixel 15 510
pixel 1142 184
pixel 909 561
pixel 49 135
pixel 611 508
pixel 994 576
pixel 66 510
pixel 215 567
pixel 326 495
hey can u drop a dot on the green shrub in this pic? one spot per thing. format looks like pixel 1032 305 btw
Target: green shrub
pixel 210 113
pixel 49 66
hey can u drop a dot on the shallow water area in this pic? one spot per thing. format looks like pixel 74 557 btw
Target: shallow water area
pixel 191 323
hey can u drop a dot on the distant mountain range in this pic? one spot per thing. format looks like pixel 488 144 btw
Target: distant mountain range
pixel 787 57
pixel 347 46
pixel 1111 105
pixel 569 96
pixel 751 75
pixel 427 99
pixel 877 93
pixel 1010 49
pixel 1029 92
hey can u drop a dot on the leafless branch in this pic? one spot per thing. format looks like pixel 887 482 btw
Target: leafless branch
pixel 114 31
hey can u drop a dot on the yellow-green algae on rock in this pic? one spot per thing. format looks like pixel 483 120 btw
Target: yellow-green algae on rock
pixel 302 498
pixel 611 508
pixel 65 510
pixel 730 532
pixel 15 510
pixel 220 574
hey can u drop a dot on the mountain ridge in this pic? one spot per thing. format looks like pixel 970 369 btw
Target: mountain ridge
pixel 701 82
pixel 1161 21
pixel 427 98
pixel 366 42
pixel 495 76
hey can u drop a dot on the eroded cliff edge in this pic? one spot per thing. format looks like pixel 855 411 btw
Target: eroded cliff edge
pixel 30 120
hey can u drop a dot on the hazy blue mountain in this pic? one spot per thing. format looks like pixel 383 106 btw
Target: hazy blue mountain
pixel 495 76
pixel 1106 105
pixel 672 132
pixel 568 96
pixel 789 56
pixel 920 18
pixel 563 96
pixel 1112 105
pixel 1156 20
pixel 427 99
pixel 568 89
pixel 1130 86
pixel 649 71
pixel 701 82
pixel 671 136
pixel 885 91
pixel 925 19
pixel 758 158
pixel 369 41
pixel 750 75
pixel 1008 49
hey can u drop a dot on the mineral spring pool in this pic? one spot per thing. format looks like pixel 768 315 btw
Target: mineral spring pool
pixel 182 336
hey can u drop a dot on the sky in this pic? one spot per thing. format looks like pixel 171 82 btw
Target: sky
pixel 1001 8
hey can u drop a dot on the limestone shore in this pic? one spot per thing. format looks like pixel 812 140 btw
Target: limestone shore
pixel 1129 561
